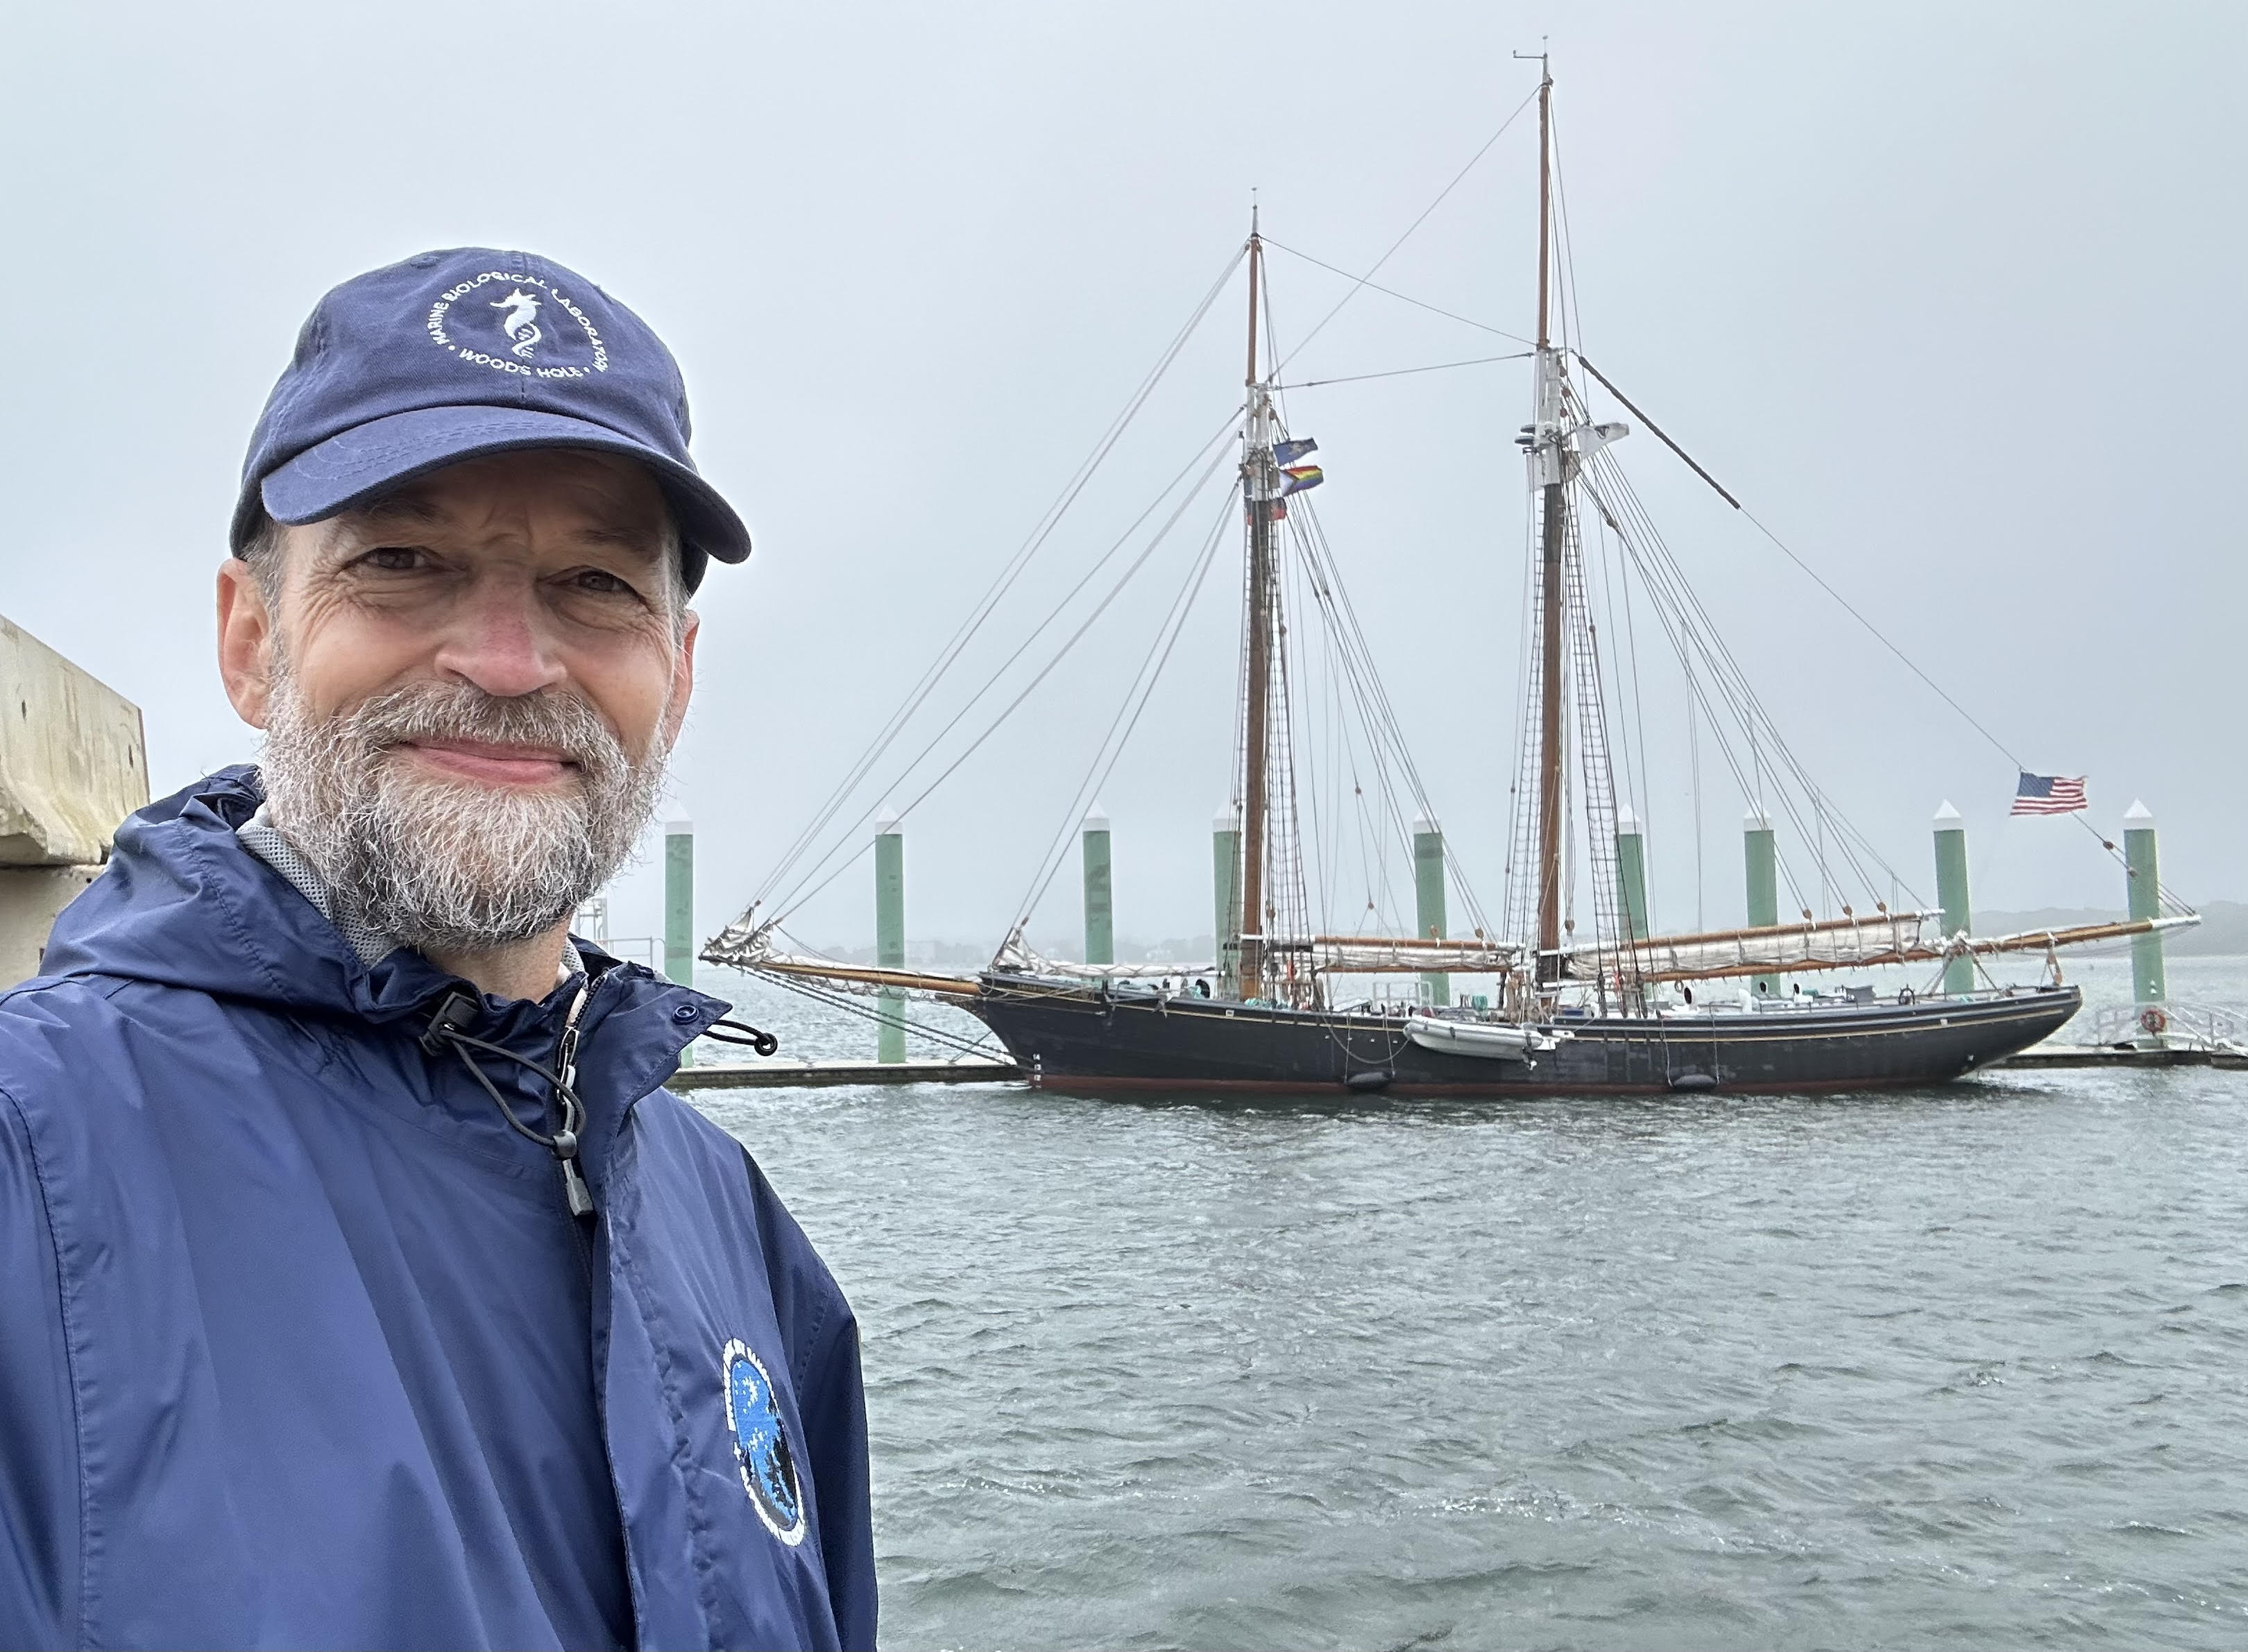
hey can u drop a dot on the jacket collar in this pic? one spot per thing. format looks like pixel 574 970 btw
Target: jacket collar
pixel 184 903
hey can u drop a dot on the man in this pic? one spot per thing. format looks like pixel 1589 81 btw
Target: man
pixel 359 1286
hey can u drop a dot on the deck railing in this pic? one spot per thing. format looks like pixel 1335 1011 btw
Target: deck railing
pixel 2201 1026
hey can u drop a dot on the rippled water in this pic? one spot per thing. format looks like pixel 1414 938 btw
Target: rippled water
pixel 1962 1365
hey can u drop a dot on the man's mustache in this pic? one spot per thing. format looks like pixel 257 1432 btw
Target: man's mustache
pixel 557 721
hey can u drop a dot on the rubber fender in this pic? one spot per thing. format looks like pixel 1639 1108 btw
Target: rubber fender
pixel 1692 1081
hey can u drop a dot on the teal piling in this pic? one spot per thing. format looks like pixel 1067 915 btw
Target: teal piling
pixel 2149 989
pixel 1631 871
pixel 890 931
pixel 1951 893
pixel 1225 884
pixel 679 910
pixel 1762 856
pixel 1428 903
pixel 1099 910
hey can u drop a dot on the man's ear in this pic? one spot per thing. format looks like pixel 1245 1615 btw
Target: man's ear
pixel 245 642
pixel 683 680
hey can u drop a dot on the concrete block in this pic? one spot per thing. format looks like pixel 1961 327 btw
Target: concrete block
pixel 71 762
pixel 30 898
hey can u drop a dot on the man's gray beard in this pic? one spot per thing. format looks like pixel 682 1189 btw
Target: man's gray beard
pixel 450 865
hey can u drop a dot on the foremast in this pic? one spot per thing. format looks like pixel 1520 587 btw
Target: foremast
pixel 1258 492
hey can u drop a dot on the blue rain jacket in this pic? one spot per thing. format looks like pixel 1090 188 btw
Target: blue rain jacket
pixel 299 1346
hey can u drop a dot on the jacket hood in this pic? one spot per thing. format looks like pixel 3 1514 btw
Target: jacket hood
pixel 183 903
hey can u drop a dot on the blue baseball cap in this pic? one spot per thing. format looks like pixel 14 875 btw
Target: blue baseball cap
pixel 453 355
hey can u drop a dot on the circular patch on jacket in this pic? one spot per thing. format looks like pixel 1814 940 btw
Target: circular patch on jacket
pixel 761 1445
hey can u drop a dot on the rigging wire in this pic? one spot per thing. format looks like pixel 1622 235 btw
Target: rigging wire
pixel 1667 581
pixel 879 1016
pixel 1002 583
pixel 1288 900
pixel 1400 372
pixel 1871 629
pixel 1318 690
pixel 1623 666
pixel 1137 693
pixel 798 893
pixel 1383 726
pixel 1521 880
pixel 1365 280
pixel 796 899
pixel 1403 298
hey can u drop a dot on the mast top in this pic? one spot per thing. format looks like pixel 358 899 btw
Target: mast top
pixel 1256 280
pixel 1545 193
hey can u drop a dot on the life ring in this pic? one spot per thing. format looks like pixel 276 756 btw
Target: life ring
pixel 2153 1020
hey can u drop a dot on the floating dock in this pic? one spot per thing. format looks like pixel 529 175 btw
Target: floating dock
pixel 773 1072
pixel 2109 1055
pixel 780 1073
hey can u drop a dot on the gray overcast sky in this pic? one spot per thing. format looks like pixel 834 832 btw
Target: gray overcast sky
pixel 1948 295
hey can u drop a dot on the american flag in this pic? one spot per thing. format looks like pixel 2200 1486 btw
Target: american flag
pixel 2048 794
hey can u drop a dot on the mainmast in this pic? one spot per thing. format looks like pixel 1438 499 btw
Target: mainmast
pixel 1547 468
pixel 1257 491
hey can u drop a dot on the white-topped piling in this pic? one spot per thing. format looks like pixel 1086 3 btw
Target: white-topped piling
pixel 1429 902
pixel 2149 990
pixel 1099 910
pixel 1761 855
pixel 1952 893
pixel 1631 870
pixel 890 929
pixel 1225 885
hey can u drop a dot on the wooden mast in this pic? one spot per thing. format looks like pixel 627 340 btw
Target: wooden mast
pixel 1255 489
pixel 1552 516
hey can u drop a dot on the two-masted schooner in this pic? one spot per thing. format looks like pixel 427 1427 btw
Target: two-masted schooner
pixel 1612 1012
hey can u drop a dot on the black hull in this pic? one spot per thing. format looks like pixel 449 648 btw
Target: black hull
pixel 1076 1038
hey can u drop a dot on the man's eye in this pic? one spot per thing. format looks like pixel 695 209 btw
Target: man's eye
pixel 604 584
pixel 394 559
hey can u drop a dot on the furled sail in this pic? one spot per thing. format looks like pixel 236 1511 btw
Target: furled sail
pixel 1017 956
pixel 1857 941
pixel 746 946
pixel 1831 943
pixel 1408 955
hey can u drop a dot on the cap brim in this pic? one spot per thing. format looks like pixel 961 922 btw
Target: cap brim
pixel 351 469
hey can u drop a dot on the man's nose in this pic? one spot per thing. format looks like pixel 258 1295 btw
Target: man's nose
pixel 498 639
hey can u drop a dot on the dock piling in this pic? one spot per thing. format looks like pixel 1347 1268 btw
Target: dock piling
pixel 1225 883
pixel 1631 870
pixel 1428 903
pixel 1099 910
pixel 1762 856
pixel 1952 893
pixel 2149 988
pixel 679 910
pixel 890 930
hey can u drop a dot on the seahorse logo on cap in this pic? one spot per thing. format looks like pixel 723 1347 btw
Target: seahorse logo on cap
pixel 519 319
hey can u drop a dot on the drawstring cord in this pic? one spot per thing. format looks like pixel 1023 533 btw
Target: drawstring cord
pixel 445 1026
pixel 459 1008
pixel 763 1043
